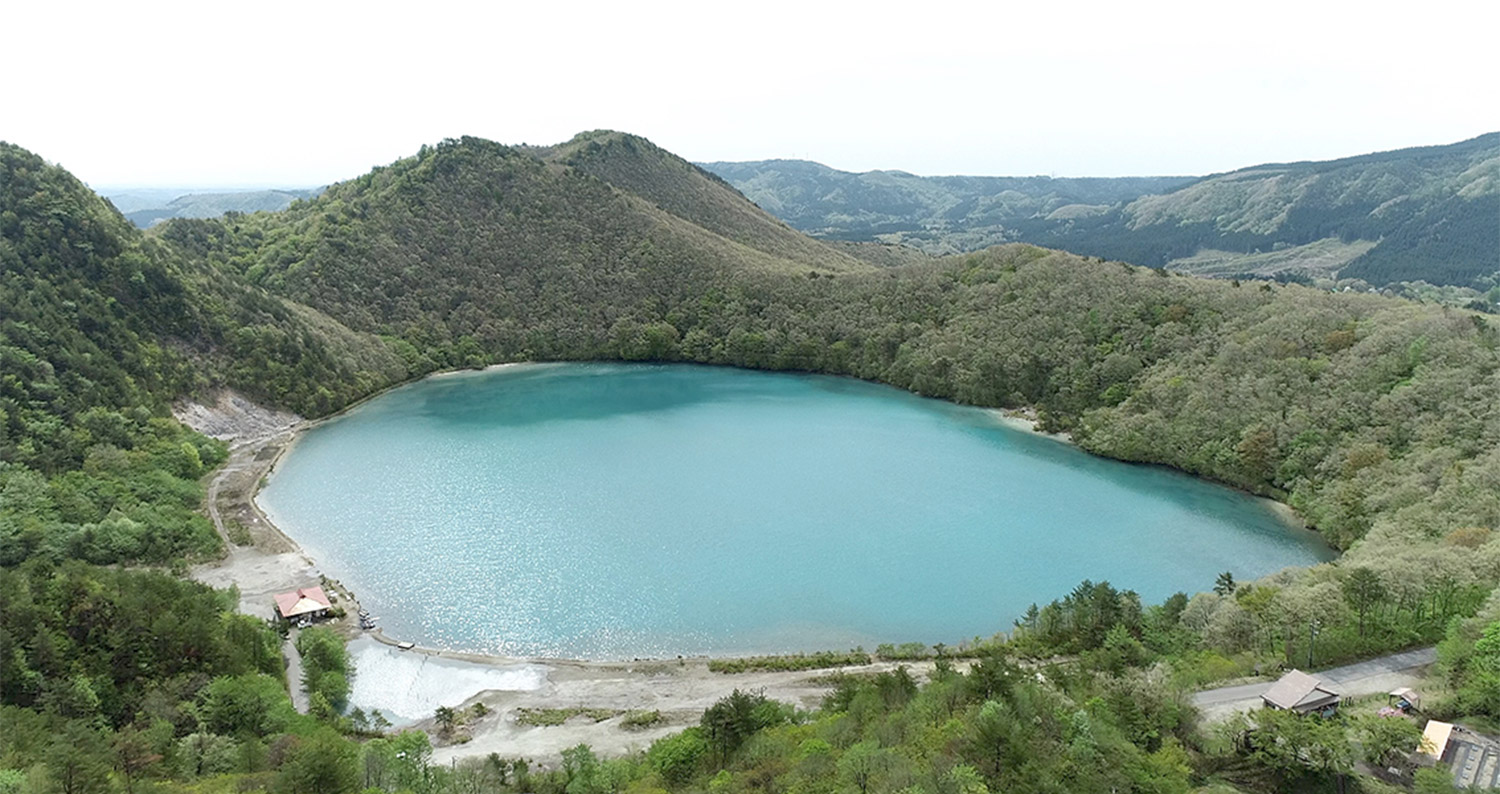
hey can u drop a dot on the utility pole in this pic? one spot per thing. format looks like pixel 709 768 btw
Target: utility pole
pixel 1312 637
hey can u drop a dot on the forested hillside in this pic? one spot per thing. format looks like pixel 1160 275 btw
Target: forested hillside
pixel 473 252
pixel 1430 214
pixel 1377 418
pixel 101 329
pixel 121 676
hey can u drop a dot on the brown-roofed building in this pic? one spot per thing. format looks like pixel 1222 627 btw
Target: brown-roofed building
pixel 1301 693
pixel 304 602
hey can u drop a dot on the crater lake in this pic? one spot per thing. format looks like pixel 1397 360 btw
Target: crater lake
pixel 607 511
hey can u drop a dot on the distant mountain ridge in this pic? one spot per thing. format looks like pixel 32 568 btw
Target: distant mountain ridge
pixel 1429 213
pixel 939 214
pixel 144 208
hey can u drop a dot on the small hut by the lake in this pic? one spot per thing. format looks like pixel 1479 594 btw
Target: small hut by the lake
pixel 304 603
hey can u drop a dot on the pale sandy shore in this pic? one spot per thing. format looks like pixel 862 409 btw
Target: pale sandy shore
pixel 1025 419
pixel 678 690
pixel 408 685
pixel 270 562
pixel 458 373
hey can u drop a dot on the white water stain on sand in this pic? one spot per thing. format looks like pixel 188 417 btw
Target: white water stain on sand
pixel 407 687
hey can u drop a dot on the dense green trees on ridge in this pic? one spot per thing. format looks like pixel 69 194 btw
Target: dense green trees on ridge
pixel 1378 419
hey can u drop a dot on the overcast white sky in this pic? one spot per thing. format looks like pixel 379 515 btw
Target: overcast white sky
pixel 305 93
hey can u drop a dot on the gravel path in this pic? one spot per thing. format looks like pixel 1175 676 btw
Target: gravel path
pixel 272 564
pixel 294 673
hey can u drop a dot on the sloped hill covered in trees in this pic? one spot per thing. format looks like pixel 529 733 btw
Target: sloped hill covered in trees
pixel 101 329
pixel 473 250
pixel 1432 212
pixel 635 165
pixel 473 253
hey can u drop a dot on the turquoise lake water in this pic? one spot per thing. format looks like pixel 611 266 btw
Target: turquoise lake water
pixel 607 511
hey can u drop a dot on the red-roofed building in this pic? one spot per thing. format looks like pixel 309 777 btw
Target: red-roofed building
pixel 304 602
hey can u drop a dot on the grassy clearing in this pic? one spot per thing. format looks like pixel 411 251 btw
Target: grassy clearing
pixel 1319 258
pixel 543 718
pixel 641 719
pixel 790 662
pixel 239 534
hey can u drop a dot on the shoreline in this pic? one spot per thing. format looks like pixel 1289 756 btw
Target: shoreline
pixel 272 562
pixel 1020 419
pixel 1025 420
pixel 452 373
pixel 678 689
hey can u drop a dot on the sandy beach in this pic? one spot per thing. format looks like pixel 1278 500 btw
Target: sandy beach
pixel 408 685
pixel 1025 419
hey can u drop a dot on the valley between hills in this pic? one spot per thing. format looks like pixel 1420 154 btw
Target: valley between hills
pixel 1375 418
pixel 1407 220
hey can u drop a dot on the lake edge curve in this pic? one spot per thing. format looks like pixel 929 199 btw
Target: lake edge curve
pixel 1011 419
